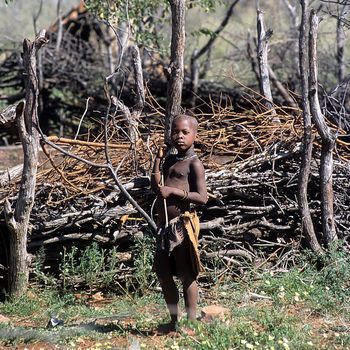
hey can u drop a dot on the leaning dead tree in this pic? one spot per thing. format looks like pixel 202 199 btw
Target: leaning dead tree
pixel 263 44
pixel 305 166
pixel 283 91
pixel 327 137
pixel 132 117
pixel 17 219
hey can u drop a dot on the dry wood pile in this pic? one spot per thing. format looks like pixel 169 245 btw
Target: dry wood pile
pixel 252 166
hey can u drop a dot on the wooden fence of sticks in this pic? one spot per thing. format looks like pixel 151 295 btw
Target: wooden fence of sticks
pixel 251 218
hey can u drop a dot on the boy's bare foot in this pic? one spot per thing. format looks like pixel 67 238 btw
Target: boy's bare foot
pixel 166 329
pixel 173 330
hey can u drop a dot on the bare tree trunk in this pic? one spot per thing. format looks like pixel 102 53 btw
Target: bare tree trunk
pixel 18 220
pixel 328 139
pixel 207 64
pixel 340 45
pixel 263 45
pixel 116 40
pixel 279 86
pixel 197 74
pixel 132 118
pixel 140 90
pixel 307 224
pixel 140 102
pixel 176 67
pixel 36 16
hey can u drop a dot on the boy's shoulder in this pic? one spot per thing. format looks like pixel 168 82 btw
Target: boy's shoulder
pixel 197 164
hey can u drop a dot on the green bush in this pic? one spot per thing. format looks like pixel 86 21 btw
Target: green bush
pixel 143 276
pixel 93 267
pixel 41 278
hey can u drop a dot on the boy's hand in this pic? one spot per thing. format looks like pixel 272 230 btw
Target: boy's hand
pixel 165 191
pixel 161 151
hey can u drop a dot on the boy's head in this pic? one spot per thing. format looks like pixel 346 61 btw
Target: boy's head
pixel 192 120
pixel 183 132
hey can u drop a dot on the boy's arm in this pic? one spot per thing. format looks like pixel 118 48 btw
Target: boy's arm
pixel 156 172
pixel 197 185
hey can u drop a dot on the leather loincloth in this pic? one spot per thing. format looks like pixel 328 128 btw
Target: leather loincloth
pixel 171 236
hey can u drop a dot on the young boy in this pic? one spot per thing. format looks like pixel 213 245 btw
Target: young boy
pixel 179 182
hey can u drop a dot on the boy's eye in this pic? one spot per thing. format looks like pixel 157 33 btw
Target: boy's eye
pixel 177 132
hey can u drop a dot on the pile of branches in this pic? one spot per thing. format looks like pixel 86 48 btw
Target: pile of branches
pixel 252 165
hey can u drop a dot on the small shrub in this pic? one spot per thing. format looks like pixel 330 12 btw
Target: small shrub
pixel 94 267
pixel 143 253
pixel 21 306
pixel 42 278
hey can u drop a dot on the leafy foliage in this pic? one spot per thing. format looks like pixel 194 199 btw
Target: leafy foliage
pixel 93 267
pixel 146 18
pixel 96 268
pixel 143 274
pixel 139 15
pixel 208 5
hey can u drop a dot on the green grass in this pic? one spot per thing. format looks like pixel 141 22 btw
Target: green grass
pixel 304 308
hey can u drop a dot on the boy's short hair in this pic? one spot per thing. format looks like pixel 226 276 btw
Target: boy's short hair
pixel 190 118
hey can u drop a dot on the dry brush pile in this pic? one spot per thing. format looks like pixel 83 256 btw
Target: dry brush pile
pixel 252 165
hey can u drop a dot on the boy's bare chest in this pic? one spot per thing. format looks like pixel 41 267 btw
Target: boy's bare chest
pixel 178 171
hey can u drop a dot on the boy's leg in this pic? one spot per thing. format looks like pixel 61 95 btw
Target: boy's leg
pixel 190 291
pixel 171 296
pixel 185 272
pixel 164 273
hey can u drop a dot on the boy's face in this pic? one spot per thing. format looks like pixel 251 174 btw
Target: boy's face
pixel 183 134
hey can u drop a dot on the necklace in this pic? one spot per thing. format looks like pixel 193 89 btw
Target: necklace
pixel 185 157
